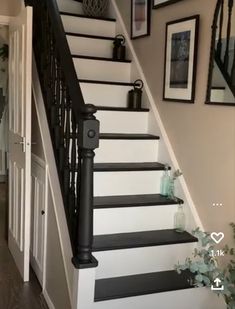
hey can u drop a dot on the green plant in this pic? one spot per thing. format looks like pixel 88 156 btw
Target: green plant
pixel 4 52
pixel 204 265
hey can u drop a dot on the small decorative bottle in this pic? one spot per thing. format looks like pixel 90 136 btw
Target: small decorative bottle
pixel 171 188
pixel 179 220
pixel 165 181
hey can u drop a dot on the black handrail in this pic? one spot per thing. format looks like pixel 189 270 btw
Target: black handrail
pixel 222 61
pixel 73 127
pixel 66 61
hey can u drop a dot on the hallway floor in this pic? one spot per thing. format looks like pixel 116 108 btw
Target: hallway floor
pixel 14 294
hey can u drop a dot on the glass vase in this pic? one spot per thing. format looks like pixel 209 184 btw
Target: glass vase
pixel 179 220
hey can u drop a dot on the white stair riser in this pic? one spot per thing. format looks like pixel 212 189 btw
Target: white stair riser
pixel 90 47
pixel 102 70
pixel 133 219
pixel 127 151
pixel 125 183
pixel 105 95
pixel 88 26
pixel 70 6
pixel 141 260
pixel 123 122
pixel 197 298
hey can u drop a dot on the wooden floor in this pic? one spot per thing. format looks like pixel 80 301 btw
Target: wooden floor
pixel 14 294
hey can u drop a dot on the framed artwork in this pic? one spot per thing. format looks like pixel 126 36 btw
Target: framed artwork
pixel 159 3
pixel 181 59
pixel 140 18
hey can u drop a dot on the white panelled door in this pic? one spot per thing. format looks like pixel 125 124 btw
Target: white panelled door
pixel 20 46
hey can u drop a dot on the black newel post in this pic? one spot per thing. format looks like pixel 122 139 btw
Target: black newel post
pixel 88 140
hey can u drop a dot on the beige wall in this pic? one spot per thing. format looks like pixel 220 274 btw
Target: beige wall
pixel 10 7
pixel 202 136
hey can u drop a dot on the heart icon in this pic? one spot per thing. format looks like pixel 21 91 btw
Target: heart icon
pixel 217 237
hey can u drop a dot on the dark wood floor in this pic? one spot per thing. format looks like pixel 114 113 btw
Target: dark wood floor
pixel 14 294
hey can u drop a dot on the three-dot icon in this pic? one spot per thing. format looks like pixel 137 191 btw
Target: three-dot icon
pixel 217 204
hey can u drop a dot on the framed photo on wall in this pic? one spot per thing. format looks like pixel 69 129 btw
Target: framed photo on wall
pixel 140 18
pixel 159 3
pixel 181 59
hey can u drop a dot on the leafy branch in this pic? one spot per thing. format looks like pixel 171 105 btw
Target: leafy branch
pixel 205 267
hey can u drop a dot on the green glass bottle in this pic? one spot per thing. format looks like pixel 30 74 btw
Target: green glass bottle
pixel 180 220
pixel 165 180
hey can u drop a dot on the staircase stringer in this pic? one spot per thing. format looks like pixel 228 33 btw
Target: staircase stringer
pixel 54 183
pixel 166 149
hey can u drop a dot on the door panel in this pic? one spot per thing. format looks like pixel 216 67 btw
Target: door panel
pixel 38 216
pixel 20 65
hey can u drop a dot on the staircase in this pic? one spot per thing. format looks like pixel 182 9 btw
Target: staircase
pixel 134 241
pixel 132 221
pixel 222 62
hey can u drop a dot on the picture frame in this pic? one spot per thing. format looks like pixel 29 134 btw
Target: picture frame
pixel 181 41
pixel 161 3
pixel 140 18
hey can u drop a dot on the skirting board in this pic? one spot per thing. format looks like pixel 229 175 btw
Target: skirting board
pixel 48 300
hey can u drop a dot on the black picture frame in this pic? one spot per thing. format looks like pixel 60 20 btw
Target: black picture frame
pixel 141 7
pixel 161 3
pixel 180 64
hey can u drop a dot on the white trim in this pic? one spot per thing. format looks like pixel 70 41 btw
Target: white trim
pixel 48 300
pixel 45 229
pixel 158 118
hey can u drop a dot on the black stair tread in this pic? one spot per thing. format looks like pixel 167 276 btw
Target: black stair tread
pixel 140 239
pixel 218 88
pixel 133 201
pixel 121 109
pixel 126 166
pixel 105 82
pixel 99 58
pixel 141 284
pixel 90 36
pixel 128 136
pixel 89 17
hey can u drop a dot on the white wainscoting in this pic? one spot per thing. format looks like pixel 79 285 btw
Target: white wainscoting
pixel 39 196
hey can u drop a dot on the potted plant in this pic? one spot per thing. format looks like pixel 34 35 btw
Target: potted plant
pixel 206 270
pixel 96 8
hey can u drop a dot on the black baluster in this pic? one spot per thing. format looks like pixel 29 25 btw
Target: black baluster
pixel 62 127
pixel 67 150
pixel 72 190
pixel 226 55
pixel 233 69
pixel 219 44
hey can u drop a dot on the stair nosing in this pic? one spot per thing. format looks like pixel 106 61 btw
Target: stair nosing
pixel 128 167
pixel 128 136
pixel 90 36
pixel 121 109
pixel 131 243
pixel 175 284
pixel 105 204
pixel 104 82
pixel 100 58
pixel 88 17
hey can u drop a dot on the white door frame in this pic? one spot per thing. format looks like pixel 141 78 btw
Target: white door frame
pixel 5 21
